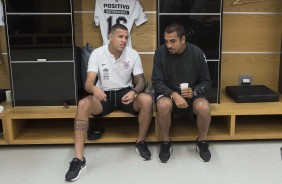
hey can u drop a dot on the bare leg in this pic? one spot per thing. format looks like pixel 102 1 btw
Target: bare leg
pixel 88 105
pixel 201 108
pixel 164 109
pixel 143 105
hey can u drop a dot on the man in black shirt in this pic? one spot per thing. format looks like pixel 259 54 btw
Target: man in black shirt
pixel 178 62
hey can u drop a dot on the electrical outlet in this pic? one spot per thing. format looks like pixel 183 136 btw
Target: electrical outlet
pixel 245 80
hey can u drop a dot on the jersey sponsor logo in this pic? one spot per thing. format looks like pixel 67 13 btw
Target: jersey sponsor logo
pixel 118 6
pixel 124 12
pixel 126 64
pixel 106 74
pixel 116 9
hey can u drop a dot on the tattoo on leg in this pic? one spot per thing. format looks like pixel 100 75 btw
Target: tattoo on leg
pixel 81 125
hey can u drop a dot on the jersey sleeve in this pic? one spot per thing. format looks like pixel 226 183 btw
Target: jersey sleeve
pixel 93 65
pixel 1 14
pixel 139 14
pixel 137 68
pixel 97 13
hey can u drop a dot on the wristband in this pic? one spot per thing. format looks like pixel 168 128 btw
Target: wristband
pixel 134 90
pixel 195 93
pixel 171 95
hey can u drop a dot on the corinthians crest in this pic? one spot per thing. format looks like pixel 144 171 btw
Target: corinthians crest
pixel 126 64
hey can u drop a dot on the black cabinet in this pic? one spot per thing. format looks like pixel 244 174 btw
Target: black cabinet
pixel 43 83
pixel 41 52
pixel 202 22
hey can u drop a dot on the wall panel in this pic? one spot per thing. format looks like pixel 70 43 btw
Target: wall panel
pixel 77 5
pixel 263 67
pixel 251 33
pixel 78 29
pixel 4 67
pixel 144 37
pixel 263 6
pixel 4 72
pixel 147 63
pixel 90 32
pixel 3 45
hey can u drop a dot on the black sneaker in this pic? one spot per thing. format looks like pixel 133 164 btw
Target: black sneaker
pixel 203 150
pixel 76 168
pixel 165 151
pixel 143 151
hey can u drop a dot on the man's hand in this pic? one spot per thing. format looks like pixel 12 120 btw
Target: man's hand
pixel 99 94
pixel 187 93
pixel 179 101
pixel 128 97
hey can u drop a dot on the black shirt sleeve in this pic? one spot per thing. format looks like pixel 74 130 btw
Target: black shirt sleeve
pixel 204 82
pixel 158 75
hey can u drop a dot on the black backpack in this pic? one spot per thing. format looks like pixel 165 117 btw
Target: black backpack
pixel 85 55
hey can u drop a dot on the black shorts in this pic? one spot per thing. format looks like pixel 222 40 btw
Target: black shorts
pixel 187 112
pixel 114 103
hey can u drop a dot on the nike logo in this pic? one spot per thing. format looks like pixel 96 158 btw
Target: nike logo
pixel 103 64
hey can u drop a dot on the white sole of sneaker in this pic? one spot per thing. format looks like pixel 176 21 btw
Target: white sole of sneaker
pixel 81 171
pixel 137 151
pixel 198 153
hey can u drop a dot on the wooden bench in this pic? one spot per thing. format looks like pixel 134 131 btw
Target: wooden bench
pixel 54 125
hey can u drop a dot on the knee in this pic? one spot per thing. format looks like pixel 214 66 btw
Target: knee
pixel 164 105
pixel 146 102
pixel 83 106
pixel 202 107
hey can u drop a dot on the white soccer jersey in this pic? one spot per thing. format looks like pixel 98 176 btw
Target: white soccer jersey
pixel 110 12
pixel 1 14
pixel 114 74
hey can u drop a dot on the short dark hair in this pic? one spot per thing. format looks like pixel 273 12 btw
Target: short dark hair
pixel 118 26
pixel 175 27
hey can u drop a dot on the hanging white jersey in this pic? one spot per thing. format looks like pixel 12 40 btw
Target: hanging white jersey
pixel 1 14
pixel 110 12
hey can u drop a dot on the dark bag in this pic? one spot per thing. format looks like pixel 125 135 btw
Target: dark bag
pixel 3 95
pixel 85 55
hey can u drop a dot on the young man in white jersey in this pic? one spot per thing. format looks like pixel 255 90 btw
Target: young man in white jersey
pixel 114 64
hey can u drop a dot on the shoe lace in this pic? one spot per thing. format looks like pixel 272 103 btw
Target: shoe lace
pixel 166 147
pixel 74 164
pixel 143 146
pixel 204 146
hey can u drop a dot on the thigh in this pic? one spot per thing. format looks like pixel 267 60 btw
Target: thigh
pixel 192 100
pixel 123 107
pixel 128 108
pixel 181 113
pixel 187 112
pixel 107 108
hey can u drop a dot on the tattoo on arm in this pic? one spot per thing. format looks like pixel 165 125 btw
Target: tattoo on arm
pixel 81 125
pixel 139 81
